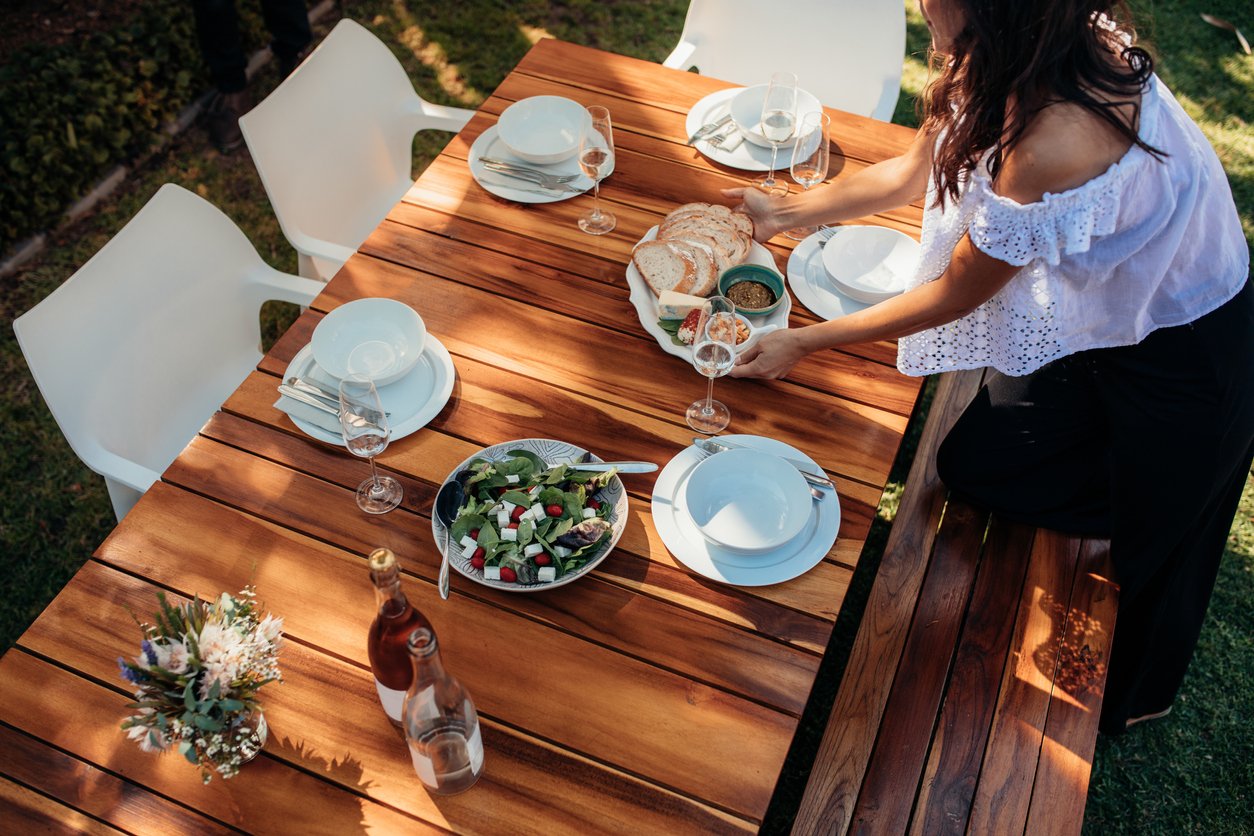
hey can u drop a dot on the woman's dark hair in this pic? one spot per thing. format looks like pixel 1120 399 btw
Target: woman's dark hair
pixel 1040 52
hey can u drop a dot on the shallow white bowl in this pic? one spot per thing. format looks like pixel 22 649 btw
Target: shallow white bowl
pixel 870 263
pixel 379 338
pixel 746 112
pixel 543 129
pixel 747 501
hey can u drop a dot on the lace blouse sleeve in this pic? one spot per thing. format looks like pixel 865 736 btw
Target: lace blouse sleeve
pixel 1056 225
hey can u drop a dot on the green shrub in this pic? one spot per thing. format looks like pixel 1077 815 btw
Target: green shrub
pixel 70 113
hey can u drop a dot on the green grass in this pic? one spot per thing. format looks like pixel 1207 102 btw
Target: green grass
pixel 1189 773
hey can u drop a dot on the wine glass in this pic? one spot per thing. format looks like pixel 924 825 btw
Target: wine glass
pixel 366 432
pixel 809 160
pixel 713 354
pixel 779 120
pixel 596 158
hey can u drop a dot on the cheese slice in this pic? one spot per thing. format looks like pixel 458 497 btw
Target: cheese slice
pixel 672 305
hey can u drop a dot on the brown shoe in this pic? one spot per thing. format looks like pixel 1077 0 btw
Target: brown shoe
pixel 1134 720
pixel 223 119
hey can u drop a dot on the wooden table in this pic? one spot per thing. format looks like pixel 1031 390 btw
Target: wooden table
pixel 642 698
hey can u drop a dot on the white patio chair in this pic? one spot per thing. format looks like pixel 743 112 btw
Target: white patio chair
pixel 848 53
pixel 136 350
pixel 334 144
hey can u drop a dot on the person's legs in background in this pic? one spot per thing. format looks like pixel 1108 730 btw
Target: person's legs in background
pixel 217 29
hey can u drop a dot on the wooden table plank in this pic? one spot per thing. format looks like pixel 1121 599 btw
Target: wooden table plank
pixel 85 789
pixel 26 811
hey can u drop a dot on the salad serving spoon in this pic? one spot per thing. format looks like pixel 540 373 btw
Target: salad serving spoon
pixel 447 503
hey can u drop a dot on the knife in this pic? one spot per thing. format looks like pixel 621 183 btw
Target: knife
pixel 621 467
pixel 529 177
pixel 706 130
pixel 718 445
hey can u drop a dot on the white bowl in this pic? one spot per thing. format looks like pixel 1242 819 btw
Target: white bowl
pixel 747 501
pixel 870 263
pixel 379 338
pixel 746 112
pixel 543 129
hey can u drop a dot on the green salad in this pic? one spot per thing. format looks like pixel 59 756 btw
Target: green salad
pixel 524 521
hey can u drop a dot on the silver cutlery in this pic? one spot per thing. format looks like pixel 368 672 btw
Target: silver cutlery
pixel 718 445
pixel 722 136
pixel 557 182
pixel 622 467
pixel 308 399
pixel 827 233
pixel 708 128
pixel 317 390
pixel 516 185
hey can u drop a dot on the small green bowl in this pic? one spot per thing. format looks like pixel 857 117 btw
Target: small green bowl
pixel 753 273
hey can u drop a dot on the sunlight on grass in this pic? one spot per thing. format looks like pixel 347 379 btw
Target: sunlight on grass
pixel 432 55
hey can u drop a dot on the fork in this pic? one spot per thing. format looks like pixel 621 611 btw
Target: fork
pixel 722 136
pixel 826 233
pixel 541 178
pixel 815 494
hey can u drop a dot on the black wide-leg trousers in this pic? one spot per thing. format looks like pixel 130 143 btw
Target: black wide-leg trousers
pixel 217 29
pixel 1148 445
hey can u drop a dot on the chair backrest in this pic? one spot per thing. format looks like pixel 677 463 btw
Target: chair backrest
pixel 848 53
pixel 334 142
pixel 137 349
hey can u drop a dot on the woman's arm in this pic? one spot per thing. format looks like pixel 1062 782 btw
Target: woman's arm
pixel 971 279
pixel 885 185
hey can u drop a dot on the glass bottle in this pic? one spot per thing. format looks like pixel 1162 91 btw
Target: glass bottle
pixel 389 633
pixel 441 725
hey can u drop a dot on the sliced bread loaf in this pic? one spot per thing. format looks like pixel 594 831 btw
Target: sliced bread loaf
pixel 674 265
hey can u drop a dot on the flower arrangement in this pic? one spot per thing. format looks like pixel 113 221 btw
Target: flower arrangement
pixel 197 676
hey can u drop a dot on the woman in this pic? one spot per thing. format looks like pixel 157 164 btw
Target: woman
pixel 1080 238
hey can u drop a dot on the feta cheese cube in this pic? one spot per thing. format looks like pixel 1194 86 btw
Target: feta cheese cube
pixel 469 551
pixel 589 513
pixel 547 573
pixel 561 551
pixel 537 512
pixel 533 550
pixel 492 573
pixel 508 506
pixel 534 492
pixel 467 541
pixel 512 478
pixel 509 534
pixel 502 519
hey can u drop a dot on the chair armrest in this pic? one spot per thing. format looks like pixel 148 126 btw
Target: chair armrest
pixel 275 284
pixel 129 473
pixel 681 56
pixel 428 116
pixel 318 248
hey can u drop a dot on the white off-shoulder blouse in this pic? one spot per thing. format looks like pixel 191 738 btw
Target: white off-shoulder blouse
pixel 1147 244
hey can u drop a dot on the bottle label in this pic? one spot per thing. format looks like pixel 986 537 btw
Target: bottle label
pixel 423 766
pixel 393 700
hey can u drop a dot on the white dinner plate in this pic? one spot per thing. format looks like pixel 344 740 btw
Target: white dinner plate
pixel 809 280
pixel 411 401
pixel 646 303
pixel 490 145
pixel 746 156
pixel 683 539
pixel 870 263
pixel 550 452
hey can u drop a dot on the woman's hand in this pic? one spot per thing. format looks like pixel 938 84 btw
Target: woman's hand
pixel 761 208
pixel 773 356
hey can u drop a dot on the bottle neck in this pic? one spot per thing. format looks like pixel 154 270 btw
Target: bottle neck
pixel 424 652
pixel 390 599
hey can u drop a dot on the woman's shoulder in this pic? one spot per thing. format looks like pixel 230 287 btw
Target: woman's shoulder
pixel 1064 146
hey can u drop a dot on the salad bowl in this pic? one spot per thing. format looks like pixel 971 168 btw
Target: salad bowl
pixel 609 494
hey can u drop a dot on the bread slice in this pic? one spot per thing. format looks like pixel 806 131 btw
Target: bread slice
pixel 743 222
pixel 729 242
pixel 674 265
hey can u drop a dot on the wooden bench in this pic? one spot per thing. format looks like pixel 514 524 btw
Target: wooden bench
pixel 971 697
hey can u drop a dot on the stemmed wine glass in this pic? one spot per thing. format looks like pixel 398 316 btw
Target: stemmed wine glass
pixel 713 354
pixel 779 120
pixel 809 160
pixel 596 158
pixel 366 433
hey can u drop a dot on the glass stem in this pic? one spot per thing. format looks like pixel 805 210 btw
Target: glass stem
pixel 708 409
pixel 770 175
pixel 596 199
pixel 376 487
